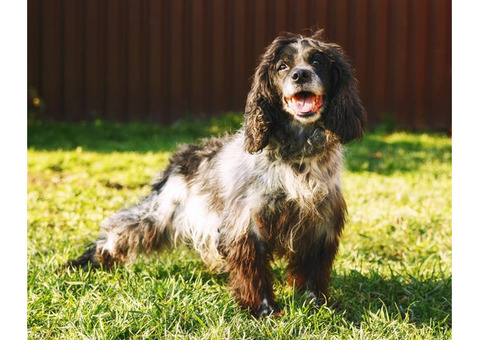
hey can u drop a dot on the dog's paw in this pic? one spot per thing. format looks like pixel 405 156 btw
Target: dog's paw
pixel 267 309
pixel 314 300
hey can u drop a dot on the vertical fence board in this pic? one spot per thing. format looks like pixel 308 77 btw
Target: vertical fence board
pixel 116 65
pixel 52 71
pixel 199 77
pixel 177 94
pixel 378 66
pixel 446 119
pixel 160 60
pixel 73 99
pixel 358 45
pixel 157 61
pixel 229 61
pixel 136 59
pixel 260 27
pixel 398 62
pixel 251 55
pixel 94 85
pixel 299 12
pixel 419 58
pixel 281 20
pixel 240 70
pixel 340 22
pixel 187 56
pixel 207 56
pixel 218 57
pixel 319 16
pixel 34 31
pixel 439 84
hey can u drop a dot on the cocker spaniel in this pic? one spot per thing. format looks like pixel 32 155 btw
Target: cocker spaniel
pixel 271 189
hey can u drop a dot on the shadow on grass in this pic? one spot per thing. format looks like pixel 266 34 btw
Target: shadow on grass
pixel 198 273
pixel 375 153
pixel 422 300
pixel 419 299
pixel 105 137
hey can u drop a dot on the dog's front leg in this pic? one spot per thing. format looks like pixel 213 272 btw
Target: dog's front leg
pixel 309 270
pixel 250 276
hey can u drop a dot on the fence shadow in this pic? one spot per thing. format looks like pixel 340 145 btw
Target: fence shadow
pixel 106 137
pixel 377 154
pixel 372 154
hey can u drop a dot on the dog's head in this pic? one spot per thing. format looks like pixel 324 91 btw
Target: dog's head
pixel 305 80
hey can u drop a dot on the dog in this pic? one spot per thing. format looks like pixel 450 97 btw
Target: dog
pixel 271 189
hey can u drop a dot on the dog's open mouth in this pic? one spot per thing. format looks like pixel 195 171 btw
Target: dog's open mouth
pixel 305 103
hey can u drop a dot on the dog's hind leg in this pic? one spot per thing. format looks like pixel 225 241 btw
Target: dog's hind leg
pixel 125 234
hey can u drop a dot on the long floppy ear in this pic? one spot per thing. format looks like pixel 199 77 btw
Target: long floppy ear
pixel 260 106
pixel 257 110
pixel 257 117
pixel 345 115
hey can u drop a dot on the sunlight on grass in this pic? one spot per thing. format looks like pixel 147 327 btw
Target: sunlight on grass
pixel 391 279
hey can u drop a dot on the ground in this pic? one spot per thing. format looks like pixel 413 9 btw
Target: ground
pixel 392 278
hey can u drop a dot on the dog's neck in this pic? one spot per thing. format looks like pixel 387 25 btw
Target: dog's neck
pixel 293 141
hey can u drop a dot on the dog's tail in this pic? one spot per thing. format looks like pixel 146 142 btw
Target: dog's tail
pixel 125 234
pixel 86 261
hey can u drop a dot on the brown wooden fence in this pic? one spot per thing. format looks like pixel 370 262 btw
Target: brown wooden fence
pixel 159 60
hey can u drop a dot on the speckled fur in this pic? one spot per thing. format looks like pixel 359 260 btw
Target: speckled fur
pixel 271 189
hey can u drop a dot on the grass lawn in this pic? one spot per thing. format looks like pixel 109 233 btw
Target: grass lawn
pixel 392 277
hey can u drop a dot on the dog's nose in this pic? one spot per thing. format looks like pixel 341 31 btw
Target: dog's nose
pixel 301 75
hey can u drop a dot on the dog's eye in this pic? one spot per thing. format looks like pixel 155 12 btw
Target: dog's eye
pixel 282 67
pixel 316 62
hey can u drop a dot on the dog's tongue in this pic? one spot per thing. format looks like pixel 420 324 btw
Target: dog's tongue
pixel 305 102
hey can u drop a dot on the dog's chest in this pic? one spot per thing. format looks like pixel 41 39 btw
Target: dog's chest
pixel 305 183
pixel 291 205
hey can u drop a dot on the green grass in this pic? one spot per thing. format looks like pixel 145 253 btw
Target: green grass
pixel 392 277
